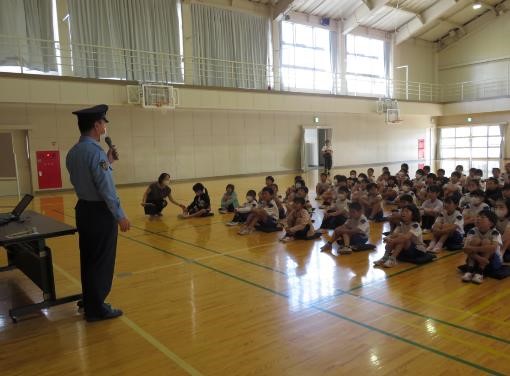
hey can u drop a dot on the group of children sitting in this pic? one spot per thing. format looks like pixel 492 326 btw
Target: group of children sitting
pixel 460 212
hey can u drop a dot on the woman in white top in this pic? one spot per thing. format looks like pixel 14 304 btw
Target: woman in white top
pixel 327 153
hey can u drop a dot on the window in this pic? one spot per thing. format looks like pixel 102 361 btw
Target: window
pixel 473 147
pixel 306 57
pixel 366 65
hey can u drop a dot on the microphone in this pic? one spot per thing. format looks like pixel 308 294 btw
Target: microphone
pixel 108 141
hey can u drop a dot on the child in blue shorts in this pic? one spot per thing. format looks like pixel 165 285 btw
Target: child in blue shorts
pixel 448 229
pixel 352 233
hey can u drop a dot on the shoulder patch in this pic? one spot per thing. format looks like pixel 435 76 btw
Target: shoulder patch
pixel 441 215
pixel 363 221
pixel 459 217
pixel 103 165
pixel 472 232
pixel 416 225
pixel 495 232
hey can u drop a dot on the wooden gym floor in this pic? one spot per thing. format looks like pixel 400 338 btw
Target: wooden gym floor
pixel 201 300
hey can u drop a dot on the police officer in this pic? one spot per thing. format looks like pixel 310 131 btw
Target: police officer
pixel 98 212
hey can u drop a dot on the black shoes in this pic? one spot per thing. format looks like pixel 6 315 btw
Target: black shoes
pixel 109 313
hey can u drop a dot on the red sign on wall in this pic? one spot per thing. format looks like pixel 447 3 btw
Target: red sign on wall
pixel 421 148
pixel 48 169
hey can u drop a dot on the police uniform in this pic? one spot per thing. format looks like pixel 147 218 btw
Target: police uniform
pixel 97 214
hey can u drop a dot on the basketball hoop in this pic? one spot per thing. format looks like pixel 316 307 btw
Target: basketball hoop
pixel 162 106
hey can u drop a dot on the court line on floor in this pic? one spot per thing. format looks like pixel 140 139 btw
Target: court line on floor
pixel 142 333
pixel 411 342
pixel 349 291
pixel 315 306
pixel 484 304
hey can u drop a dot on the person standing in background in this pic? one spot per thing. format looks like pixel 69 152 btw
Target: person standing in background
pixel 327 153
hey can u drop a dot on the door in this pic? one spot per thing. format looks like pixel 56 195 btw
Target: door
pixel 323 134
pixel 48 169
pixel 22 155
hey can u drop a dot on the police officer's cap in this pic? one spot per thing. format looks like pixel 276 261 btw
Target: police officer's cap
pixel 92 114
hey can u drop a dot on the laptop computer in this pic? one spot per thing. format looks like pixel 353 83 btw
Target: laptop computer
pixel 17 211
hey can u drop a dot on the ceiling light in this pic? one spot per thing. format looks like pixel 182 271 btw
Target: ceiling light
pixel 477 5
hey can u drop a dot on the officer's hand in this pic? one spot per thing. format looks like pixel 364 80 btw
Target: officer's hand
pixel 124 224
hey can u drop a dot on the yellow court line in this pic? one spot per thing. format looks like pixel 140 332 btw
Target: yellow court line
pixel 472 344
pixel 142 333
pixel 156 268
pixel 451 294
pixel 484 304
pixel 390 315
pixel 427 302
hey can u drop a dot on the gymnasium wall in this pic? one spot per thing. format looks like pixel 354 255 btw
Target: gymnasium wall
pixel 420 56
pixel 214 132
pixel 482 55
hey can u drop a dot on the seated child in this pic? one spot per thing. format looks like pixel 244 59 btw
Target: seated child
pixel 493 192
pixel 502 211
pixel 299 223
pixel 419 179
pixel 441 178
pixel 322 186
pixel 291 191
pixel 265 215
pixel 354 232
pixel 390 190
pixel 496 173
pixel 370 175
pixel 372 203
pixel 282 211
pixel 482 248
pixel 229 200
pixel 270 183
pixel 472 210
pixel 395 217
pixel 353 174
pixel 336 214
pixel 454 186
pixel 406 239
pixel 407 189
pixel 329 196
pixel 431 208
pixel 242 212
pixel 303 193
pixel 448 229
pixel 201 205
pixel 506 191
pixel 471 186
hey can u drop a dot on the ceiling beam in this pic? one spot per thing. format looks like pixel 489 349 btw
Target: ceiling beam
pixel 428 17
pixel 407 10
pixel 362 13
pixel 451 23
pixel 282 7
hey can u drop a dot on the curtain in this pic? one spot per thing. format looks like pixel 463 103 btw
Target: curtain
pixel 333 50
pixel 28 27
pixel 230 48
pixel 502 132
pixel 128 39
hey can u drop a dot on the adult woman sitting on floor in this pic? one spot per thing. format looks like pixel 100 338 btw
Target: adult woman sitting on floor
pixel 154 198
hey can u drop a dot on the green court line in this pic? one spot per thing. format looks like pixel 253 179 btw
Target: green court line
pixel 411 342
pixel 315 306
pixel 349 292
pixel 211 250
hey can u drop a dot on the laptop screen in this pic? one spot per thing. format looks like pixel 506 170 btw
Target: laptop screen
pixel 22 205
